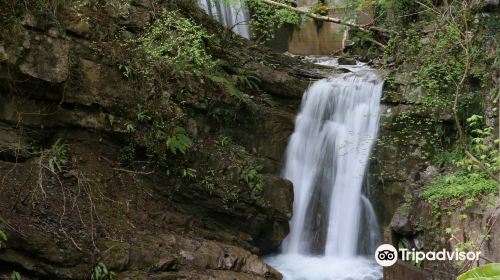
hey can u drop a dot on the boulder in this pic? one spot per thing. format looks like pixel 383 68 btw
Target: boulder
pixel 347 61
pixel 400 222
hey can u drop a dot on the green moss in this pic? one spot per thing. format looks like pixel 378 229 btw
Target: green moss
pixel 459 186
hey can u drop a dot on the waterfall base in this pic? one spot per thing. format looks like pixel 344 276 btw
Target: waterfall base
pixel 301 267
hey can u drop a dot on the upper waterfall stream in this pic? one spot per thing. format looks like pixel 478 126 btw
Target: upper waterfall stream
pixel 334 231
pixel 232 15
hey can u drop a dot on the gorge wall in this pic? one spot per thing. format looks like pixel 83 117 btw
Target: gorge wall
pixel 81 180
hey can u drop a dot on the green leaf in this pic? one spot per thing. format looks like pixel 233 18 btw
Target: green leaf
pixel 487 272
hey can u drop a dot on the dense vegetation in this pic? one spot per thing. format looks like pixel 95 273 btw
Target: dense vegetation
pixel 447 50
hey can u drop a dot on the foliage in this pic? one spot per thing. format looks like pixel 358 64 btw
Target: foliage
pixel 177 42
pixel 252 178
pixel 189 173
pixel 162 138
pixel 232 90
pixel 483 146
pixel 267 19
pixel 223 140
pixel 247 80
pixel 396 13
pixel 142 114
pixel 15 276
pixel 3 238
pixel 179 141
pixel 127 153
pixel 58 157
pixel 449 157
pixel 486 272
pixel 101 272
pixel 437 62
pixel 459 186
pixel 208 181
pixel 320 9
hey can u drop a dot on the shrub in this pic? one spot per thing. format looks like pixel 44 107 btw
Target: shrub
pixel 178 42
pixel 458 186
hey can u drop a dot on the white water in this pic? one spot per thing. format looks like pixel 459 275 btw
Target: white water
pixel 233 16
pixel 333 232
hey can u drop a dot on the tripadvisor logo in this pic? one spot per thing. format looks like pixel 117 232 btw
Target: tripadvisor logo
pixel 387 255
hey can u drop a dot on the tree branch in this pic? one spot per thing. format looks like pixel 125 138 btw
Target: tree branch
pixel 306 12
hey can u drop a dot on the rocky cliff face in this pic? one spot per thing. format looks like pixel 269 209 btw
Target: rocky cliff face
pixel 411 137
pixel 80 180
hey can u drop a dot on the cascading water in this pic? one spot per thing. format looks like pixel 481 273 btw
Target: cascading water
pixel 233 16
pixel 333 232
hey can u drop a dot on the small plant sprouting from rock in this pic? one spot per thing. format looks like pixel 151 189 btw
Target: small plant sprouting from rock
pixel 58 156
pixel 253 179
pixel 189 173
pixel 142 114
pixel 3 238
pixel 129 127
pixel 101 272
pixel 15 276
pixel 232 90
pixel 179 142
pixel 208 181
pixel 224 140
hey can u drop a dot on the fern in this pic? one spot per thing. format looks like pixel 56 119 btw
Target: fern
pixel 232 90
pixel 101 272
pixel 252 178
pixel 179 142
pixel 58 156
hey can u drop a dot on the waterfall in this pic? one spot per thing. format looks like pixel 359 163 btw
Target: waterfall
pixel 233 16
pixel 334 227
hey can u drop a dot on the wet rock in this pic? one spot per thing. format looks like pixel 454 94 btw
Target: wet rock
pixel 234 173
pixel 98 84
pixel 213 255
pixel 278 192
pixel 44 256
pixel 115 255
pixel 427 175
pixel 347 61
pixel 138 18
pixel 29 20
pixel 79 27
pixel 142 3
pixel 272 133
pixel 279 83
pixel 192 128
pixel 167 263
pixel 3 54
pixel 400 222
pixel 419 242
pixel 13 144
pixel 47 59
pixel 485 5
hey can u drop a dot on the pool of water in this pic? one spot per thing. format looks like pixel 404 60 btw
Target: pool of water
pixel 300 267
